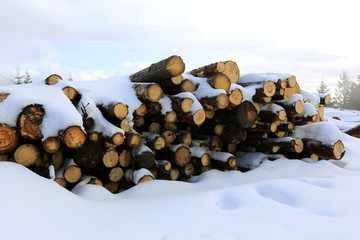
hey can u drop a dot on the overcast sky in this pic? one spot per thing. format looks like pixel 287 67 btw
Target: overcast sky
pixel 94 39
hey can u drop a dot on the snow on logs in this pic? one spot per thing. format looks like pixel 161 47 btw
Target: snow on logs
pixel 160 123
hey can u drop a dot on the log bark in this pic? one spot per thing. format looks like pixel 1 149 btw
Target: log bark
pixel 138 176
pixel 187 171
pixel 143 157
pixel 272 112
pixel 117 110
pixel 223 160
pixel 89 155
pixel 324 99
pixel 326 151
pixel 286 143
pixel 220 101
pixel 179 154
pixel 171 174
pixel 233 133
pixel 208 70
pixel 29 122
pixel 171 82
pixel 264 127
pixel 181 104
pixel 165 69
pixel 9 139
pixel 183 137
pixel 185 86
pixel 154 141
pixel 354 131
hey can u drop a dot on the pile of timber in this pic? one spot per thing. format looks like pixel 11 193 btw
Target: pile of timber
pixel 186 124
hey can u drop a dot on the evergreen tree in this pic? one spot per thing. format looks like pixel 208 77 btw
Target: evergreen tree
pixel 355 95
pixel 17 77
pixel 343 91
pixel 27 77
pixel 323 87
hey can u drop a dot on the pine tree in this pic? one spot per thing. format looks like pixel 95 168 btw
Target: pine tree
pixel 343 91
pixel 323 87
pixel 17 77
pixel 355 95
pixel 27 77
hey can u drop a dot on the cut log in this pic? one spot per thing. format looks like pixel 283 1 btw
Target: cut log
pixel 143 157
pixel 181 104
pixel 56 159
pixel 271 112
pixel 154 141
pixel 171 174
pixel 3 96
pixel 187 171
pixel 208 70
pixel 51 144
pixel 264 127
pixel 215 144
pixel 110 158
pixel 26 154
pixel 138 176
pixel 169 137
pixel 246 114
pixel 89 155
pixel 223 160
pixel 126 125
pixel 141 111
pixel 171 82
pixel 72 94
pixel 148 92
pixel 220 101
pixel 155 127
pixel 95 181
pixel 286 143
pixel 285 127
pixel 134 140
pixel 165 69
pixel 72 172
pixel 326 151
pixel 117 110
pixel 61 181
pixel 199 157
pixel 125 158
pixel 185 86
pixel 293 105
pixel 324 99
pixel 73 137
pixel 29 122
pixel 183 137
pixel 115 174
pixel 179 154
pixel 163 165
pixel 233 133
pixel 9 139
pixel 232 71
pixel 354 131
pixel 235 96
pixel 219 81
pixel 171 126
pixel 112 187
pixel 52 79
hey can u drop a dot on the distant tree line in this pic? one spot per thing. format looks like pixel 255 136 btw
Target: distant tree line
pixel 347 92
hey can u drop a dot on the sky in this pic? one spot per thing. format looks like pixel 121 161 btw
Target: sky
pixel 98 39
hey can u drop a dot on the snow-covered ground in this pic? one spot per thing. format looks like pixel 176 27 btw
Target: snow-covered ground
pixel 282 199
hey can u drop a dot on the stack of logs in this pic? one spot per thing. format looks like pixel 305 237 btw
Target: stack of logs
pixel 188 123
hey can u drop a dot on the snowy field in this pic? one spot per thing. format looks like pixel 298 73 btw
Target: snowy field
pixel 282 199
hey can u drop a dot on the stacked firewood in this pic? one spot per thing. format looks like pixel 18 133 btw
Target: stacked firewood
pixel 185 124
